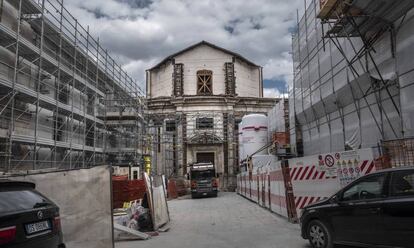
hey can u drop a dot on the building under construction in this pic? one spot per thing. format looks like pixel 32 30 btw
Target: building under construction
pixel 353 77
pixel 64 102
pixel 196 99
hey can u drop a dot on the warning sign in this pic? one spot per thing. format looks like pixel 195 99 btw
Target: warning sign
pixel 337 155
pixel 329 160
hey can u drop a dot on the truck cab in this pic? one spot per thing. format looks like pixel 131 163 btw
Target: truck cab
pixel 204 181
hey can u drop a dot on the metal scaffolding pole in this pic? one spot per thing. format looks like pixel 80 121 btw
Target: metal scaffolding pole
pixel 16 64
pixel 57 84
pixel 39 81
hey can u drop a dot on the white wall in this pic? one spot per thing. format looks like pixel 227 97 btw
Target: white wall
pixel 204 57
pixel 247 79
pixel 160 81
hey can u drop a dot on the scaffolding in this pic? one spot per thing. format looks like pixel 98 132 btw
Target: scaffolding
pixel 347 91
pixel 174 133
pixel 55 84
pixel 125 126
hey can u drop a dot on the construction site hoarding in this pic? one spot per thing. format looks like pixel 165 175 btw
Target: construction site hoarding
pixel 265 184
pixel 319 176
pixel 287 186
pixel 84 199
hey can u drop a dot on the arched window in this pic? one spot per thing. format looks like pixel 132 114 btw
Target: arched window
pixel 204 82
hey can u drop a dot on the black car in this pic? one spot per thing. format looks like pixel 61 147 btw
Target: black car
pixel 27 218
pixel 374 210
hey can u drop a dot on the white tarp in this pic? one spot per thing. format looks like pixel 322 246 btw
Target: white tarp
pixel 84 199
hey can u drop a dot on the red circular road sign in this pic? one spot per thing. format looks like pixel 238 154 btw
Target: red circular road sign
pixel 337 155
pixel 329 160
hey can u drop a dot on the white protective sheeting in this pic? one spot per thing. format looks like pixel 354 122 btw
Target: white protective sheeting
pixel 350 105
pixel 405 54
pixel 276 119
pixel 84 199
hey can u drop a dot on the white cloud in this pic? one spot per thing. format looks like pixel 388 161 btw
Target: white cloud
pixel 279 68
pixel 139 33
pixel 274 93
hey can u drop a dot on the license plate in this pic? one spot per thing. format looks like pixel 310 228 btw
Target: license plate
pixel 37 227
pixel 204 190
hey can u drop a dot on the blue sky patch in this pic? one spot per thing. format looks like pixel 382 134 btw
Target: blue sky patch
pixel 279 84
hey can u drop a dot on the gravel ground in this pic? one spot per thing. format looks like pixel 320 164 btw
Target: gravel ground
pixel 223 222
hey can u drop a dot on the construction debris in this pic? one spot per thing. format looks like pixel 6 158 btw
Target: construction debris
pixel 146 214
pixel 126 233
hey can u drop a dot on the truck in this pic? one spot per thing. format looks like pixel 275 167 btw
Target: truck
pixel 204 181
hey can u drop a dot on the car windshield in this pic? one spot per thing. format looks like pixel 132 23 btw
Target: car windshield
pixel 200 175
pixel 17 200
pixel 365 189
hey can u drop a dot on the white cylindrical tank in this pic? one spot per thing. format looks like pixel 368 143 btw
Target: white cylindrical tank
pixel 241 150
pixel 254 130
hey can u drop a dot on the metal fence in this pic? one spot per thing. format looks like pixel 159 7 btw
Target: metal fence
pixel 399 152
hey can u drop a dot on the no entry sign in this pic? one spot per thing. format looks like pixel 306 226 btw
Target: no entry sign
pixel 329 160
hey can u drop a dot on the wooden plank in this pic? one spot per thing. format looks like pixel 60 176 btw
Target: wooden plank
pixel 326 8
pixel 126 233
pixel 329 7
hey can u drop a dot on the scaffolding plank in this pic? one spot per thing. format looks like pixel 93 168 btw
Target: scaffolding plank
pixel 326 8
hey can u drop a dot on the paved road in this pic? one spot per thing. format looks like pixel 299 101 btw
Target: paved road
pixel 228 221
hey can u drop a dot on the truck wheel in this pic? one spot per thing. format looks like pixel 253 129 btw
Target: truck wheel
pixel 319 235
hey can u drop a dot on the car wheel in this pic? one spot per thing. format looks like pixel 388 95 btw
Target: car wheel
pixel 319 235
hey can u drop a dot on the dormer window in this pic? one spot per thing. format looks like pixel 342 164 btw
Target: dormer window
pixel 204 82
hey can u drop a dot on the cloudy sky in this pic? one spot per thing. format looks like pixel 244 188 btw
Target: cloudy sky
pixel 139 33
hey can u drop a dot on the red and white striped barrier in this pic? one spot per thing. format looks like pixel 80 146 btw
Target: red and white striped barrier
pixel 242 184
pixel 277 189
pixel 319 176
pixel 313 178
pixel 266 186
